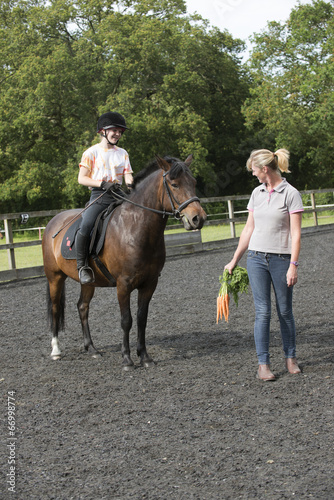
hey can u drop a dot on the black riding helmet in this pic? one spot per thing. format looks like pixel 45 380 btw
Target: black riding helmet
pixel 109 120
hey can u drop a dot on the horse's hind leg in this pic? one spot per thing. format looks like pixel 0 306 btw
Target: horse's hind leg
pixel 144 298
pixel 87 293
pixel 56 308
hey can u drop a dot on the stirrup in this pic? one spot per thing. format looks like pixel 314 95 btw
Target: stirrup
pixel 88 279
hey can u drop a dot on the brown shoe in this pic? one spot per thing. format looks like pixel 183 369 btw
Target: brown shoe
pixel 292 366
pixel 265 374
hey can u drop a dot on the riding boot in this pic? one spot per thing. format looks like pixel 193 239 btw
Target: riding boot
pixel 86 274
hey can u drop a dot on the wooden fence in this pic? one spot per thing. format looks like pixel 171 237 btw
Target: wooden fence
pixel 176 244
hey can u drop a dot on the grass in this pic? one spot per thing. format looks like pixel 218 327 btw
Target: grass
pixel 32 256
pixel 24 257
pixel 214 233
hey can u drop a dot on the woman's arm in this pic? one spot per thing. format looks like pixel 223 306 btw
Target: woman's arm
pixel 295 232
pixel 243 242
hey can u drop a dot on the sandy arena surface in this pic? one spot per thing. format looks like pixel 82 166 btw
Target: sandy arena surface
pixel 197 425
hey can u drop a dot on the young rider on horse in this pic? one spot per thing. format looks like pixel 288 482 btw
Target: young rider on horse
pixel 102 168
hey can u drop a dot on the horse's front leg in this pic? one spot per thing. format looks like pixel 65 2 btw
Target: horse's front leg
pixel 123 295
pixel 144 298
pixel 87 293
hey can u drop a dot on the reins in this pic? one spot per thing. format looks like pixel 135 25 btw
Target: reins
pixel 176 211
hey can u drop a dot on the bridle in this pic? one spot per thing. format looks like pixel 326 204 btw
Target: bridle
pixel 176 212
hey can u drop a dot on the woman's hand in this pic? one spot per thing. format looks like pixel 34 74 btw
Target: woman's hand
pixel 230 266
pixel 292 275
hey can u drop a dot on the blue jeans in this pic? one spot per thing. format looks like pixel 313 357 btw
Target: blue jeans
pixel 265 269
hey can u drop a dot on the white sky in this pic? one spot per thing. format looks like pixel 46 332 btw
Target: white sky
pixel 242 18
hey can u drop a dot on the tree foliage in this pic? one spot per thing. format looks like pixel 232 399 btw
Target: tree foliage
pixel 292 99
pixel 179 84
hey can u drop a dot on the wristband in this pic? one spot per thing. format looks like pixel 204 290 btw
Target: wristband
pixel 294 262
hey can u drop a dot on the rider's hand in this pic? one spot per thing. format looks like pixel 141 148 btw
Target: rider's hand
pixel 108 186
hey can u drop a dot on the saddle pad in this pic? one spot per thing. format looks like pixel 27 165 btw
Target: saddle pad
pixel 98 234
pixel 68 243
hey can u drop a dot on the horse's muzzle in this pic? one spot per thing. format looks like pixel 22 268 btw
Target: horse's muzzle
pixel 194 220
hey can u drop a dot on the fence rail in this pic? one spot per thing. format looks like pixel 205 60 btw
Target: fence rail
pixel 176 244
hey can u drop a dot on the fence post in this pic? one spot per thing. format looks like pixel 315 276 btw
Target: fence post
pixel 9 239
pixel 231 216
pixel 315 215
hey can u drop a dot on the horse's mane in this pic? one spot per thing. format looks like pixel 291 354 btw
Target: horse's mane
pixel 177 167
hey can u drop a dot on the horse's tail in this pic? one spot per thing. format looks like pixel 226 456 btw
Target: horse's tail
pixel 61 309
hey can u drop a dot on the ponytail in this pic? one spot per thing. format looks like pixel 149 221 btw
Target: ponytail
pixel 283 156
pixel 265 158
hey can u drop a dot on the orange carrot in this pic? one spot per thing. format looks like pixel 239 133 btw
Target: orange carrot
pixel 227 306
pixel 223 307
pixel 218 308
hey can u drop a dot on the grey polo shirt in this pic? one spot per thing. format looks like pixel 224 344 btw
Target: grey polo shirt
pixel 272 217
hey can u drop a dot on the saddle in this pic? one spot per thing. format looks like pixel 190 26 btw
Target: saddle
pixel 98 234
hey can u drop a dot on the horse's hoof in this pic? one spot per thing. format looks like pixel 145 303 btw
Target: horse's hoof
pixel 93 352
pixel 56 357
pixel 127 363
pixel 97 355
pixel 147 363
pixel 128 368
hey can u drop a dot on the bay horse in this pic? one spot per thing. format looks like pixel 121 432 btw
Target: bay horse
pixel 133 252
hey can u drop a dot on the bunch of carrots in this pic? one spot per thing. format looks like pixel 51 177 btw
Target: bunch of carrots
pixel 231 284
pixel 223 308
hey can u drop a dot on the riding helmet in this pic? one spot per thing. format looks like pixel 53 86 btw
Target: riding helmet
pixel 109 120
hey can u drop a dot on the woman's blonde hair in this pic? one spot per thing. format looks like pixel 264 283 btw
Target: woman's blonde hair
pixel 264 158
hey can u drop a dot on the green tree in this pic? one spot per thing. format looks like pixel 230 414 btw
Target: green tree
pixel 179 85
pixel 292 101
pixel 41 99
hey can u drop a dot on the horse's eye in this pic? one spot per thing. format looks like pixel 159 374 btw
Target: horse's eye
pixel 174 185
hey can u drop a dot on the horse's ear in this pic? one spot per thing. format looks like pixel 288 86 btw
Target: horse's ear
pixel 189 160
pixel 162 163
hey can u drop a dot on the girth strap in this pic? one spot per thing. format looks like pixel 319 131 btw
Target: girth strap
pixel 104 270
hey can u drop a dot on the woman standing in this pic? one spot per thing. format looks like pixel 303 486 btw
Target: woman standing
pixel 272 237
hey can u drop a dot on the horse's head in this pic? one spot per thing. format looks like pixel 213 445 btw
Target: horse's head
pixel 180 186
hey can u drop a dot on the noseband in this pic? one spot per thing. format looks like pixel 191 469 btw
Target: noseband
pixel 176 212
